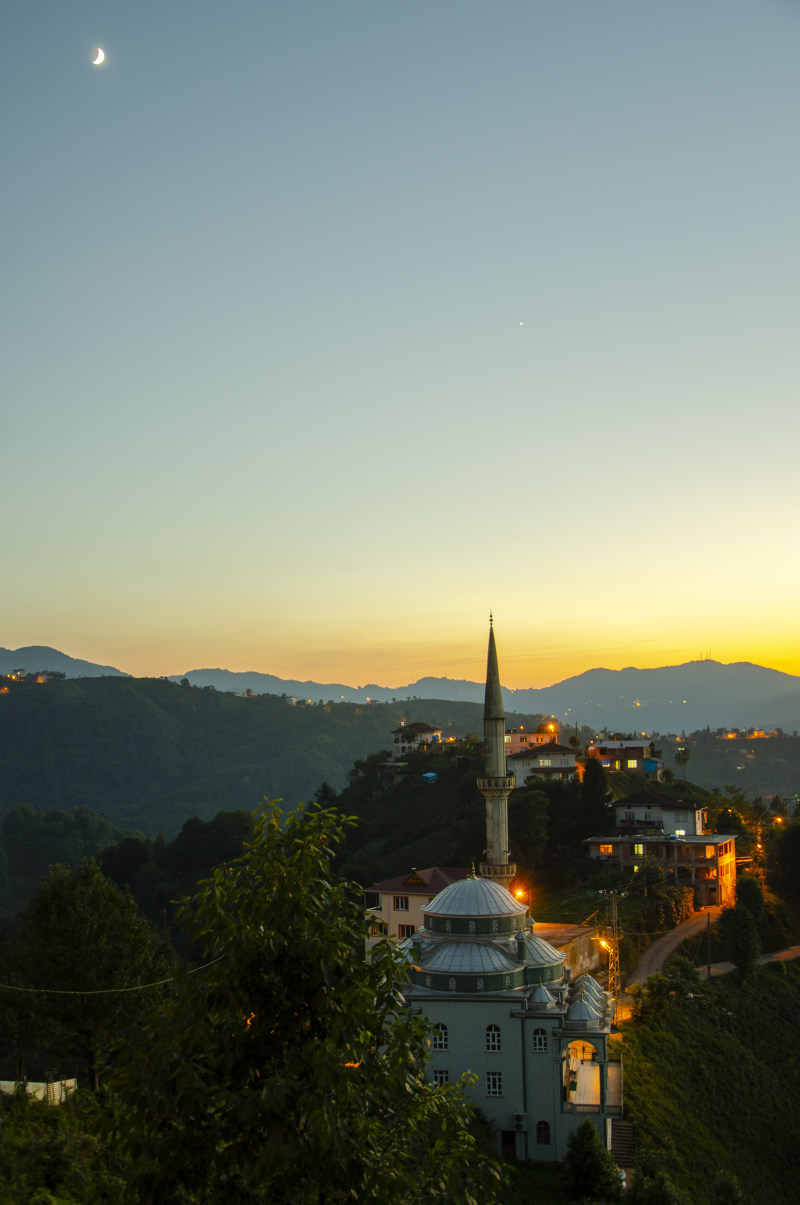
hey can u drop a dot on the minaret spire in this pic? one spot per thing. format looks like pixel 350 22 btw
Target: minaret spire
pixel 496 785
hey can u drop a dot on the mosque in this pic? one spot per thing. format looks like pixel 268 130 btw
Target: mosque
pixel 533 1040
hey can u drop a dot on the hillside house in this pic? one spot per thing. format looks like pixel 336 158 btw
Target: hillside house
pixel 638 756
pixel 653 811
pixel 397 904
pixel 411 737
pixel 542 761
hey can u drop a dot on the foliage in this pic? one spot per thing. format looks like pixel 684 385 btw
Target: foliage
pixel 739 935
pixel 82 945
pixel 593 1175
pixel 33 839
pixel 56 1155
pixel 690 1071
pixel 288 1070
pixel 652 1184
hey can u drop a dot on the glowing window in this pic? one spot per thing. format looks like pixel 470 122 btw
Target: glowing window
pixel 606 849
pixel 638 851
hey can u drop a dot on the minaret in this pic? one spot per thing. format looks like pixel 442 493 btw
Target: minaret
pixel 495 786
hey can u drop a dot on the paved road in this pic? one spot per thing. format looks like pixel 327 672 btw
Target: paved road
pixel 656 954
pixel 725 968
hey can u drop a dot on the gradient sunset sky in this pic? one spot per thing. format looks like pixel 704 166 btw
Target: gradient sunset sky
pixel 329 325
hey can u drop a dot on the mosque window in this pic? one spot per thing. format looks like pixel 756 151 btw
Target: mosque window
pixel 401 903
pixel 451 983
pixel 479 985
pixel 493 1041
pixel 495 925
pixel 539 1041
pixel 472 926
pixel 494 1083
pixel 447 926
pixel 543 1133
pixel 439 1037
pixel 441 1077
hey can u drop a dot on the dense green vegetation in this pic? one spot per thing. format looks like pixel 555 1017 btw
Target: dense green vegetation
pixel 712 1083
pixel 269 1073
pixel 149 753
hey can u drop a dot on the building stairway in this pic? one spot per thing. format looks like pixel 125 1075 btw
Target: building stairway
pixel 622 1143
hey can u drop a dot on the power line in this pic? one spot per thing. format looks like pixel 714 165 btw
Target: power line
pixel 104 991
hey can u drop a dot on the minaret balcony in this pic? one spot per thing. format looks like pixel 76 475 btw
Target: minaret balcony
pixel 496 786
pixel 503 872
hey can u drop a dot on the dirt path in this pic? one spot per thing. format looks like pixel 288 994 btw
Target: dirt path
pixel 656 954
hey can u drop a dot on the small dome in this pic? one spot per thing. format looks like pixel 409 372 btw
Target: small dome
pixel 539 952
pixel 589 987
pixel 581 1010
pixel 467 957
pixel 475 897
pixel 542 996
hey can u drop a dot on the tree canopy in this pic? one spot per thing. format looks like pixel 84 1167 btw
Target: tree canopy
pixel 288 1069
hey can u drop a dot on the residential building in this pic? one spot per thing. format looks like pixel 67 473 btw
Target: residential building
pixel 654 811
pixel 517 739
pixel 397 904
pixel 638 756
pixel 706 863
pixel 409 737
pixel 542 761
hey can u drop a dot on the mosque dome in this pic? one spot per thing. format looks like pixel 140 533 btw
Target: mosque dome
pixel 467 957
pixel 475 907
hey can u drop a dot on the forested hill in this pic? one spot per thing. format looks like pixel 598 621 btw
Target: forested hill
pixel 150 753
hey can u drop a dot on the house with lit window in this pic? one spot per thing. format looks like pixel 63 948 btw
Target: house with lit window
pixel 650 810
pixel 517 739
pixel 396 904
pixel 638 756
pixel 410 737
pixel 706 863
pixel 542 761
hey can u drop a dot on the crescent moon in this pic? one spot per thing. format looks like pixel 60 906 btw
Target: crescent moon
pixel 100 56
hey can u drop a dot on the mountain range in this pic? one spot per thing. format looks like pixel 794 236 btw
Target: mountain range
pixel 668 699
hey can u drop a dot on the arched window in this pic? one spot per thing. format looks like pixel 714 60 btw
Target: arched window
pixel 543 1133
pixel 493 1037
pixel 539 1041
pixel 440 1037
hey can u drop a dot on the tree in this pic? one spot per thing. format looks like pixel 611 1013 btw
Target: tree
pixel 740 934
pixel 682 756
pixel 593 1175
pixel 287 1070
pixel 83 945
pixel 596 811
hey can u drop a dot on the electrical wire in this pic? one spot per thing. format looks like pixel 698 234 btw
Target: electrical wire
pixel 105 991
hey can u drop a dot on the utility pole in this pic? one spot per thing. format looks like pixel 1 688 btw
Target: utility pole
pixel 613 956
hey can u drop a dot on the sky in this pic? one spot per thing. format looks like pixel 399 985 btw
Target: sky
pixel 329 326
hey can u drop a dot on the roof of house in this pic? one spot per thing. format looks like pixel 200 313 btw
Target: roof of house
pixel 536 751
pixel 644 743
pixel 418 727
pixel 427 882
pixel 657 799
